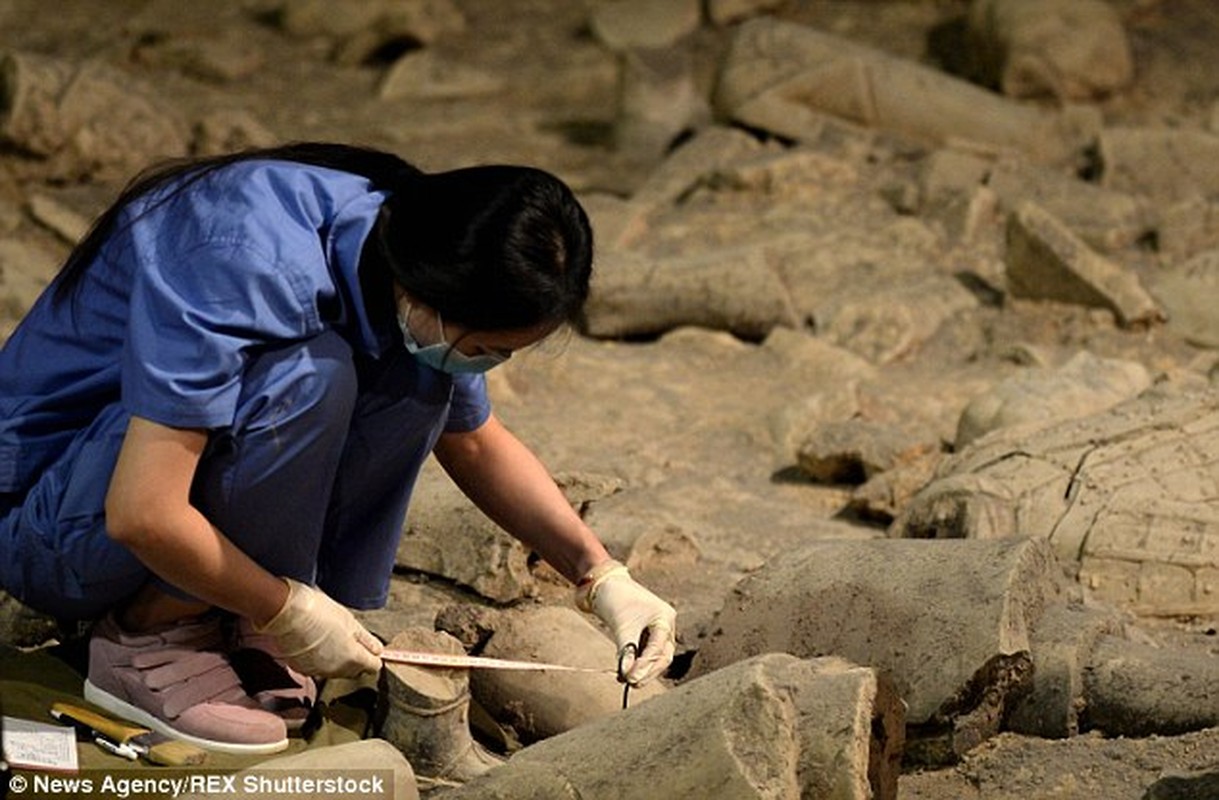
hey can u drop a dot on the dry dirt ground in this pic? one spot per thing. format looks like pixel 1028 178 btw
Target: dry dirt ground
pixel 552 105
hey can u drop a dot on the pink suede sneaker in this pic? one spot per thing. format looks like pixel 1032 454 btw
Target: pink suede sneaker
pixel 276 687
pixel 178 681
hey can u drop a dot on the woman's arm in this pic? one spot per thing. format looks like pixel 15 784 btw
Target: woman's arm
pixel 148 511
pixel 512 487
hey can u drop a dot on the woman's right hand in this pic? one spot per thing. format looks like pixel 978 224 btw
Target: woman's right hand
pixel 320 637
pixel 635 616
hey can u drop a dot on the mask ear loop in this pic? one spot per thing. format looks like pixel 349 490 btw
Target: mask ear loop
pixel 443 339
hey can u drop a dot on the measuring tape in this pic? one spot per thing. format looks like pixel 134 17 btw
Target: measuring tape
pixel 422 659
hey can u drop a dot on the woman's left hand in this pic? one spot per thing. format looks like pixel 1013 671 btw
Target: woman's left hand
pixel 633 614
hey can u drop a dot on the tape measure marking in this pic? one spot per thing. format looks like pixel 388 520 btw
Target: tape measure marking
pixel 422 659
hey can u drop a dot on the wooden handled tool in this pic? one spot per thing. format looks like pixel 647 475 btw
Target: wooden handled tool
pixel 154 747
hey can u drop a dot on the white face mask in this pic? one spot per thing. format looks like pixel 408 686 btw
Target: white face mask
pixel 443 356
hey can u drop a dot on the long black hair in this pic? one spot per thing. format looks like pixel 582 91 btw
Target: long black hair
pixel 489 247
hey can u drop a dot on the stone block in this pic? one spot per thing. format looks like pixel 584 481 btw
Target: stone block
pixel 949 621
pixel 1165 586
pixel 1083 385
pixel 84 120
pixel 735 290
pixel 1066 49
pixel 855 450
pixel 783 77
pixel 771 726
pixel 1188 227
pixel 369 768
pixel 1187 292
pixel 647 24
pixel 1047 261
pixel 1163 163
pixel 1110 580
pixel 1062 644
pixel 1138 689
pixel 447 536
pixel 21 626
pixel 1106 219
pixel 1131 485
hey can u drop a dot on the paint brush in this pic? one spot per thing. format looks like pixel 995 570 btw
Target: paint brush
pixel 124 739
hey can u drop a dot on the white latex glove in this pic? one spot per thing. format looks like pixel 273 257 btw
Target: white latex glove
pixel 320 637
pixel 630 610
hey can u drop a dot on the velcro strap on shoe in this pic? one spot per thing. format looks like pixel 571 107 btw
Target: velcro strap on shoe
pixel 214 685
pixel 183 667
pixel 205 635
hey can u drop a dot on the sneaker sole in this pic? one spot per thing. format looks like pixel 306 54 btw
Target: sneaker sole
pixel 122 708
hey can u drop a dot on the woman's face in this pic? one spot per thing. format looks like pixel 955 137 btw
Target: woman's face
pixel 428 328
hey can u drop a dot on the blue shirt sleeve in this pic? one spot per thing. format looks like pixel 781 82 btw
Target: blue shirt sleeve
pixel 193 323
pixel 232 264
pixel 470 406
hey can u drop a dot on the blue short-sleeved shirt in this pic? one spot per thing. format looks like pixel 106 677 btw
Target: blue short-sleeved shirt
pixel 186 288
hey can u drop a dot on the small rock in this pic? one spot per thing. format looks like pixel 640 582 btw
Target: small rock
pixel 855 450
pixel 21 626
pixel 726 12
pixel 1067 49
pixel 1185 786
pixel 447 536
pixel 58 218
pixel 470 624
pixel 647 24
pixel 664 549
pixel 230 131
pixel 1163 163
pixel 1046 261
pixel 427 75
pixel 1084 385
pixel 1188 227
pixel 882 497
pixel 1188 293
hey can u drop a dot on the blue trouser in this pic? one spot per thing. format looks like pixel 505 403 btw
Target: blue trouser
pixel 312 481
